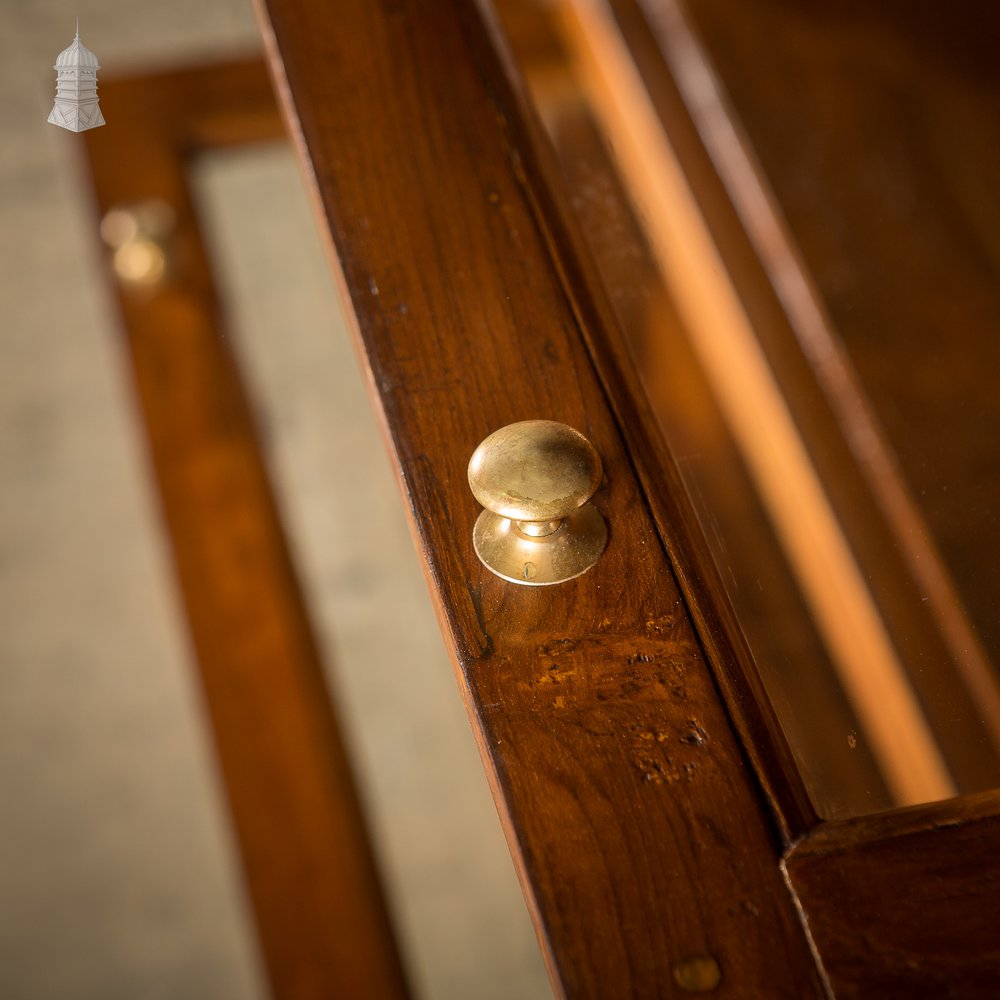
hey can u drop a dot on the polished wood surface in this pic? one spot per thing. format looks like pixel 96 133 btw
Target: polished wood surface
pixel 609 710
pixel 905 905
pixel 645 852
pixel 322 922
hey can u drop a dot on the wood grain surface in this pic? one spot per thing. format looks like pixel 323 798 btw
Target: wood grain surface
pixel 321 919
pixel 905 905
pixel 634 820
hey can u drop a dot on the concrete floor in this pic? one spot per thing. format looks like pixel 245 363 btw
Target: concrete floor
pixel 117 871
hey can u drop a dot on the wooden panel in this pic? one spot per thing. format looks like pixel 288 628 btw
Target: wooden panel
pixel 905 905
pixel 632 816
pixel 322 922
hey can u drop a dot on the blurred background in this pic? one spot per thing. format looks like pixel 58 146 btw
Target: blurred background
pixel 118 872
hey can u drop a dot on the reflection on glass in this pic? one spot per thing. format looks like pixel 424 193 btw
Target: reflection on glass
pixel 877 677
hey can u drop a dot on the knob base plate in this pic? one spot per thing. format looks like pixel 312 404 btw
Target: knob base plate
pixel 539 561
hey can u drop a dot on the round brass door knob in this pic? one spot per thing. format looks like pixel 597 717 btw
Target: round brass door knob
pixel 534 478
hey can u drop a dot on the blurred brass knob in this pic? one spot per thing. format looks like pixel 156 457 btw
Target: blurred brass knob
pixel 139 236
pixel 534 478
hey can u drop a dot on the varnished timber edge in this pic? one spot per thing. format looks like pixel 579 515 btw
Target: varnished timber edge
pixel 634 822
pixel 322 922
pixel 845 835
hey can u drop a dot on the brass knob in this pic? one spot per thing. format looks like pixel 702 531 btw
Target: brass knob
pixel 534 478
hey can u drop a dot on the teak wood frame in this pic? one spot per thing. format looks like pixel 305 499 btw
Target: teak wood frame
pixel 613 713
